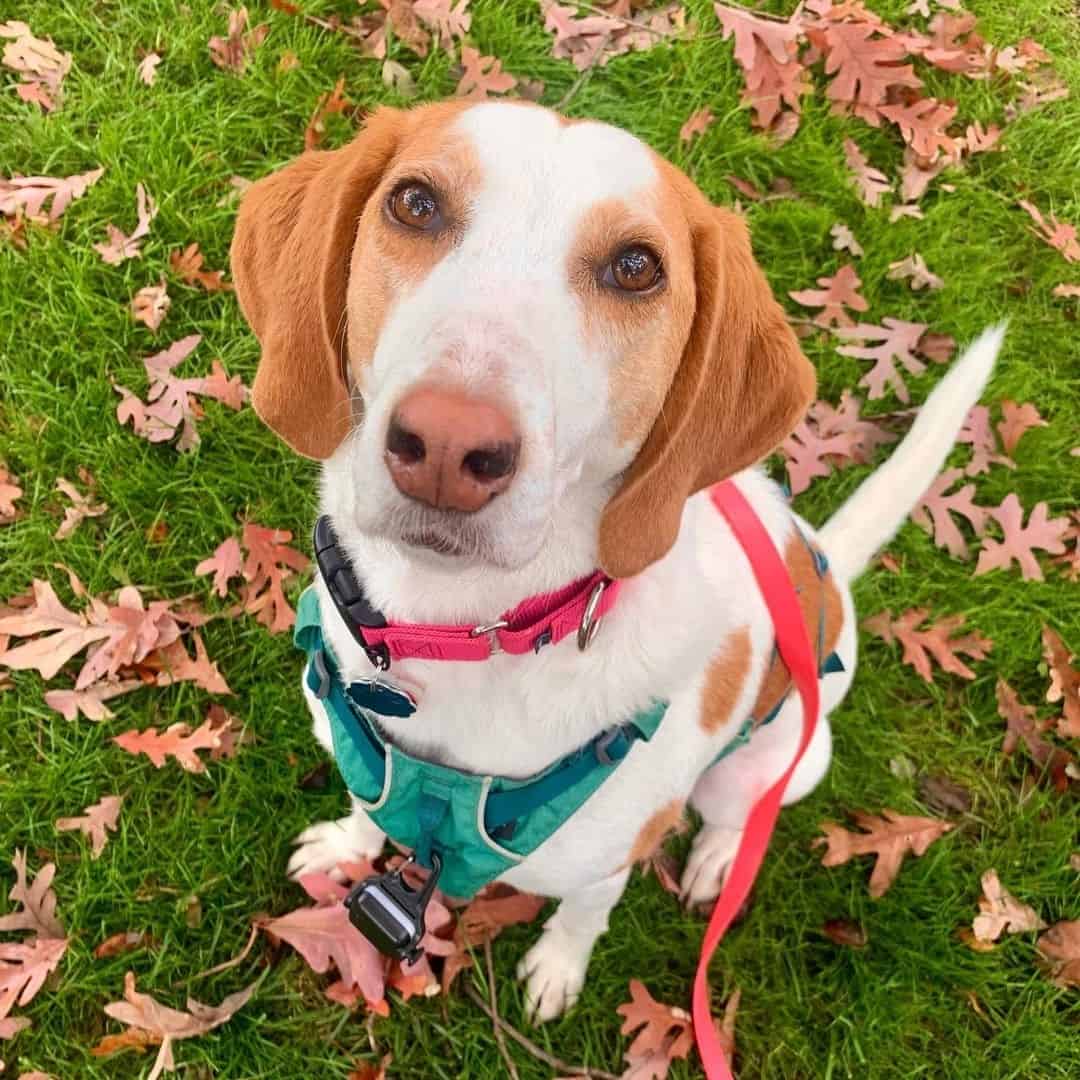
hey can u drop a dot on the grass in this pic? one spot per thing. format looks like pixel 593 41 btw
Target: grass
pixel 916 1002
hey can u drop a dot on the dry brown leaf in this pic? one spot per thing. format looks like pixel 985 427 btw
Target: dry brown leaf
pixel 234 52
pixel 666 1033
pixel 95 822
pixel 844 240
pixel 1061 946
pixel 150 305
pixel 1019 541
pixel 922 125
pixel 1064 682
pixel 836 293
pixel 29 194
pixel 329 104
pixel 187 265
pixel 894 341
pixel 1001 912
pixel 483 76
pixel 9 493
pixel 915 271
pixel 935 642
pixel 846 933
pixel 1056 233
pixel 177 741
pixel 81 508
pixel 124 942
pixel 891 836
pixel 1021 725
pixel 38 61
pixel 38 914
pixel 871 183
pixel 120 246
pixel 148 68
pixel 697 123
pixel 1015 421
pixel 933 512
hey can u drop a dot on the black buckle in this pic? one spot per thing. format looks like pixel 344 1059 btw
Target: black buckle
pixel 347 593
pixel 318 664
pixel 390 913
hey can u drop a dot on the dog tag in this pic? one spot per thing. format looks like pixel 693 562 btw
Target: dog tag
pixel 390 913
pixel 381 697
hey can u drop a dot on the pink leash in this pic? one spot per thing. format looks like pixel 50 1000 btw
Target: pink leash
pixel 793 642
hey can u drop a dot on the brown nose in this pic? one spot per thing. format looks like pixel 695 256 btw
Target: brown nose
pixel 450 450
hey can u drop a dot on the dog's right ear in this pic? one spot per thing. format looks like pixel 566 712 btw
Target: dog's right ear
pixel 290 260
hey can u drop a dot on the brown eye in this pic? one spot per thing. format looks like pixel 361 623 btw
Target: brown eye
pixel 634 269
pixel 415 205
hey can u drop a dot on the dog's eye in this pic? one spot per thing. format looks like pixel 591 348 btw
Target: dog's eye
pixel 415 205
pixel 635 269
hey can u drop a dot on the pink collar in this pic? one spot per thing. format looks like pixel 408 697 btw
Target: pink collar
pixel 540 620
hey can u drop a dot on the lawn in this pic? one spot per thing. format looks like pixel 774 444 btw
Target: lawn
pixel 197 856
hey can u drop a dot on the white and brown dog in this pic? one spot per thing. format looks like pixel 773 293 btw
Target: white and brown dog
pixel 522 346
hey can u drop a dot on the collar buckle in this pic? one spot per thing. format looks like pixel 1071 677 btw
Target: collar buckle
pixel 590 621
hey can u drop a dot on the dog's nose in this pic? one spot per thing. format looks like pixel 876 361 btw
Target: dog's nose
pixel 450 450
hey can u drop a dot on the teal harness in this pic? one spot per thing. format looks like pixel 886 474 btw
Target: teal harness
pixel 479 826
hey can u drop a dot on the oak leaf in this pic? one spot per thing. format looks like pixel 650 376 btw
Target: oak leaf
pixel 94 821
pixel 836 293
pixel 871 183
pixel 914 270
pixel 483 76
pixel 808 455
pixel 450 20
pixel 187 265
pixel 148 68
pixel 1015 421
pixel 224 564
pixel 916 175
pixel 1061 946
pixel 120 246
pixel 895 341
pixel 1021 725
pixel 978 140
pixel 234 52
pixel 81 509
pixel 9 493
pixel 1064 682
pixel 329 104
pixel 844 239
pixel 91 701
pixel 157 1023
pixel 1001 913
pixel 29 194
pixel 1056 233
pixel 922 125
pixel 38 914
pixel 935 508
pixel 269 563
pixel 177 741
pixel 697 123
pixel 150 305
pixel 666 1033
pixel 24 967
pixel 1065 291
pixel 891 836
pixel 595 38
pixel 123 942
pixel 935 642
pixel 1019 541
pixel 984 447
pixel 41 65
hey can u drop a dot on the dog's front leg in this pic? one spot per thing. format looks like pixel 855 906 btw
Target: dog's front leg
pixel 322 847
pixel 554 968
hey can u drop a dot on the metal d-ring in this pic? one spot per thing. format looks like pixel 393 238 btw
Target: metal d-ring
pixel 589 621
pixel 487 628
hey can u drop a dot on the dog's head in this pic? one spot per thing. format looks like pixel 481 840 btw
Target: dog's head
pixel 474 311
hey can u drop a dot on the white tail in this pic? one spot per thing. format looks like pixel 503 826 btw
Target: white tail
pixel 879 506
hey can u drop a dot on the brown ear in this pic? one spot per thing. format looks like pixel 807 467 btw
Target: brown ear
pixel 741 387
pixel 290 260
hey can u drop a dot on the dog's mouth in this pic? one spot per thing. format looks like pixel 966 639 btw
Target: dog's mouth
pixel 437 543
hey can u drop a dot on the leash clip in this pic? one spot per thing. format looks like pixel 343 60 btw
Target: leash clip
pixel 589 621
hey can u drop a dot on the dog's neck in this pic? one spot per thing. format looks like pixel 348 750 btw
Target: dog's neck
pixel 407 586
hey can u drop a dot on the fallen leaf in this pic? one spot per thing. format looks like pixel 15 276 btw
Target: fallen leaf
pixel 922 125
pixel 148 68
pixel 944 795
pixel 1064 682
pixel 334 102
pixel 483 76
pixel 494 910
pixel 450 20
pixel 269 563
pixel 177 741
pixel 120 246
pixel 844 239
pixel 95 822
pixel 173 664
pixel 915 271
pixel 916 175
pixel 1019 541
pixel 367 1070
pixel 187 265
pixel 118 944
pixel 1061 946
pixel 891 836
pixel 234 52
pixel 978 140
pixel 846 933
pixel 38 914
pixel 1022 726
pixel 41 65
pixel 91 701
pixel 935 509
pixel 1001 912
pixel 29 194
pixel 1066 290
pixel 978 434
pixel 398 78
pixel 1015 421
pixel 697 123
pixel 156 1022
pixel 666 1033
pixel 1056 233
pixel 24 967
pixel 936 347
pixel 896 340
pixel 836 293
pixel 9 493
pixel 81 509
pixel 150 305
pixel 871 183
pixel 594 39
pixel 934 642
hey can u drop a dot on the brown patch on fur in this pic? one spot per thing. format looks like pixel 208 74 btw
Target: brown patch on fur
pixel 741 385
pixel 724 680
pixel 652 833
pixel 817 596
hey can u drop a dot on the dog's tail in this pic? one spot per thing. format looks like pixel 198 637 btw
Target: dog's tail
pixel 879 506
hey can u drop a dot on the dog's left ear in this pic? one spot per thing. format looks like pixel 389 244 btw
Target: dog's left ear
pixel 741 387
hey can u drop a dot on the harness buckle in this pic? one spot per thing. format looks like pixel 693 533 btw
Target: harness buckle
pixel 602 746
pixel 589 621
pixel 318 663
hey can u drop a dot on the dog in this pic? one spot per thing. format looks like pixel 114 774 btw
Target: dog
pixel 524 348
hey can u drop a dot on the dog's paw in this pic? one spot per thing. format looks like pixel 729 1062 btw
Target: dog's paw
pixel 711 854
pixel 553 971
pixel 322 846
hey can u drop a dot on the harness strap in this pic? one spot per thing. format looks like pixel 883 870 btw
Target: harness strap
pixel 793 642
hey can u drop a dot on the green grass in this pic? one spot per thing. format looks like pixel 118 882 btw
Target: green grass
pixel 916 1002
